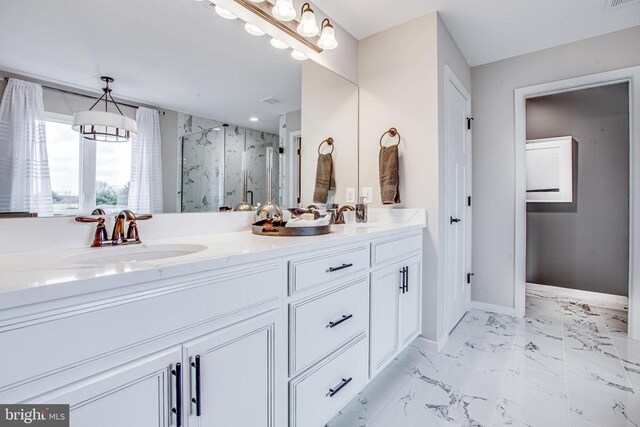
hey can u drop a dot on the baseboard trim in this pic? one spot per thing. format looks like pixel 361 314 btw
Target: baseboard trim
pixel 493 308
pixel 617 299
pixel 431 345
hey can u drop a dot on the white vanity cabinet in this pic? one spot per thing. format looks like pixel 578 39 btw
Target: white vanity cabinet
pixel 396 289
pixel 140 393
pixel 233 375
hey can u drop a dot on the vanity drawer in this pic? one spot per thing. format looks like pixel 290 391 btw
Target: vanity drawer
pixel 386 250
pixel 319 393
pixel 321 324
pixel 320 267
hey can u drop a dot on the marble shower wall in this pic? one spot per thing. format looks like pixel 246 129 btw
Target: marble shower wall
pixel 212 160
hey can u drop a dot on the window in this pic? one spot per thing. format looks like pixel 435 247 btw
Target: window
pixel 63 150
pixel 103 177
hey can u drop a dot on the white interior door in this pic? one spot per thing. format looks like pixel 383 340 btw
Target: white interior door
pixel 458 188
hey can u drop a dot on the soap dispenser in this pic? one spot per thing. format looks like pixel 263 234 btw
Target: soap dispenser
pixel 361 211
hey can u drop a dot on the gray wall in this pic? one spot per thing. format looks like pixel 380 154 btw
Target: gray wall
pixel 585 244
pixel 494 150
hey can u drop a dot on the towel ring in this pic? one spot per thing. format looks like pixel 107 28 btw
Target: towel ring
pixel 393 132
pixel 329 142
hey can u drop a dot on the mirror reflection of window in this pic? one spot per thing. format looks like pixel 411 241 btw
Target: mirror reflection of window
pixel 63 149
pixel 110 163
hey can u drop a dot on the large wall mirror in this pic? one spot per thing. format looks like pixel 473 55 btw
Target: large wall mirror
pixel 218 99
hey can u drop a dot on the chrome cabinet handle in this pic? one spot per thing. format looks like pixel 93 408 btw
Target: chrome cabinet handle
pixel 332 269
pixel 406 279
pixel 197 400
pixel 344 318
pixel 177 372
pixel 343 383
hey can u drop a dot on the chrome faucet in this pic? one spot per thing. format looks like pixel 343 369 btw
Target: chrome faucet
pixel 118 237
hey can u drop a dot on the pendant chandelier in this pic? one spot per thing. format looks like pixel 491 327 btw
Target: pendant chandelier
pixel 104 125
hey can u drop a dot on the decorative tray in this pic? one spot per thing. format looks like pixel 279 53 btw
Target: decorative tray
pixel 269 228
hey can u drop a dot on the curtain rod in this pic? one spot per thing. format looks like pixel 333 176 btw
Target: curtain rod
pixel 6 79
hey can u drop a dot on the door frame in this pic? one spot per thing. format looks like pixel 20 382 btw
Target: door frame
pixel 631 76
pixel 451 77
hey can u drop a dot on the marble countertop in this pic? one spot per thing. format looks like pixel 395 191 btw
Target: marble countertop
pixel 38 276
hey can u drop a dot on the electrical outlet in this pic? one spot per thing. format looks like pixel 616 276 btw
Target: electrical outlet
pixel 367 193
pixel 350 197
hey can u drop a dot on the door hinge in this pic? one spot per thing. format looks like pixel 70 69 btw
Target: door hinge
pixel 468 200
pixel 469 119
pixel 469 277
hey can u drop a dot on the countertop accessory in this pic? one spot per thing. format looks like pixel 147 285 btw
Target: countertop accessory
pixel 361 211
pixel 243 206
pixel 118 237
pixel 269 210
pixel 278 229
pixel 392 132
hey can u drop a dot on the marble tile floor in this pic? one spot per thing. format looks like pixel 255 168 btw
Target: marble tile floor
pixel 568 362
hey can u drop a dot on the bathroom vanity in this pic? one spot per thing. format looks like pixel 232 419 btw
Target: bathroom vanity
pixel 227 329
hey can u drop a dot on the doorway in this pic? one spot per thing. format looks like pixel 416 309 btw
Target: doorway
pixel 631 78
pixel 458 200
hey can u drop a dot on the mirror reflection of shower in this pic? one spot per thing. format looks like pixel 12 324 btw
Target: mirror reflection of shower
pixel 212 172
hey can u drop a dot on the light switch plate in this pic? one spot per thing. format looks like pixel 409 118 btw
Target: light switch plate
pixel 367 193
pixel 350 196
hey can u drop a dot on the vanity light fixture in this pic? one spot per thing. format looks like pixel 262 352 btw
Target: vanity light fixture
pixel 328 37
pixel 307 26
pixel 284 10
pixel 253 119
pixel 103 125
pixel 254 30
pixel 278 44
pixel 298 55
pixel 224 13
pixel 281 15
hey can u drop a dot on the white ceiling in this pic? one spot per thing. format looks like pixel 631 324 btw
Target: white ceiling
pixel 175 54
pixel 490 30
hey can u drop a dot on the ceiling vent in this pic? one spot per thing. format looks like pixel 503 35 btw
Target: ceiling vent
pixel 614 4
pixel 271 100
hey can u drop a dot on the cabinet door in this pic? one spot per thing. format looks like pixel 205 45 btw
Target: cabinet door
pixel 139 394
pixel 410 298
pixel 236 371
pixel 384 316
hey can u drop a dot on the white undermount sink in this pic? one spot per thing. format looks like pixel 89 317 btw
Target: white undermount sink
pixel 134 253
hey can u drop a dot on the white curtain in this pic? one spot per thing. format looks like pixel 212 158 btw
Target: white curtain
pixel 25 185
pixel 145 189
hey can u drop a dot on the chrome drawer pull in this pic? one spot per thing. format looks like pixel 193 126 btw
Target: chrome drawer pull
pixel 332 269
pixel 334 324
pixel 334 391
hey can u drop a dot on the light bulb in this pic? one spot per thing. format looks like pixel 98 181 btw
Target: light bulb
pixel 284 10
pixel 328 37
pixel 308 26
pixel 278 44
pixel 224 13
pixel 254 30
pixel 298 55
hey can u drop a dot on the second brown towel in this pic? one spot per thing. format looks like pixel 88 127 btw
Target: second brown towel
pixel 389 177
pixel 325 179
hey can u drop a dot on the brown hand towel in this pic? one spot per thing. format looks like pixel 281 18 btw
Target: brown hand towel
pixel 325 179
pixel 389 177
